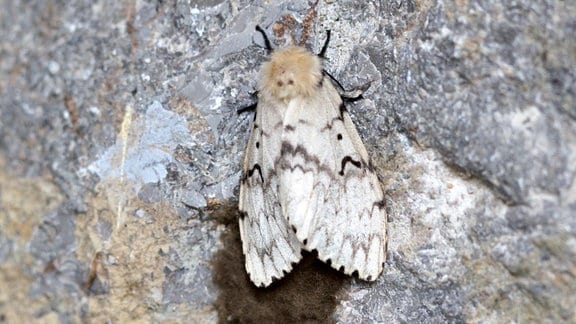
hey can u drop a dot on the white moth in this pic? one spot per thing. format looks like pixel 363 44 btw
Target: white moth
pixel 307 181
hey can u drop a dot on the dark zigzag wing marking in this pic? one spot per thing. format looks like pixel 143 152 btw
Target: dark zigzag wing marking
pixel 290 151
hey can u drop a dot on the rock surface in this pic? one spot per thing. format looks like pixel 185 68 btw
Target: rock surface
pixel 119 131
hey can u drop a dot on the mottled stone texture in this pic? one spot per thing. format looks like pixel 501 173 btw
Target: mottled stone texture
pixel 119 132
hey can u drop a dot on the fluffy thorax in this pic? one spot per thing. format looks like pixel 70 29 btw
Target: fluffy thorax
pixel 290 72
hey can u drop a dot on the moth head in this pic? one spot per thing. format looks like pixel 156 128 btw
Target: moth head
pixel 290 72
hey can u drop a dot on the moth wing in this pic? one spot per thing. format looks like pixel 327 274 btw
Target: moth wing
pixel 329 192
pixel 269 245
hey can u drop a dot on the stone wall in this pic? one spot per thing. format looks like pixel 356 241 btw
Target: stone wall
pixel 119 138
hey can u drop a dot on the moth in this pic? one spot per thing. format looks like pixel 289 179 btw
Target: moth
pixel 307 181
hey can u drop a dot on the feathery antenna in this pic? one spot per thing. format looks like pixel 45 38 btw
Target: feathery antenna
pixel 325 47
pixel 266 40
